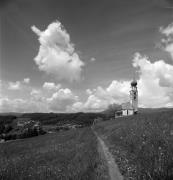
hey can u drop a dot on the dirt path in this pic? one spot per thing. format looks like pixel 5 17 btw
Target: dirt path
pixel 112 166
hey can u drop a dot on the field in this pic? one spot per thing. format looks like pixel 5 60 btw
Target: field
pixel 142 145
pixel 32 124
pixel 68 155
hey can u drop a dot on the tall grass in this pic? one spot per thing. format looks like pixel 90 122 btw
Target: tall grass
pixel 142 145
pixel 70 155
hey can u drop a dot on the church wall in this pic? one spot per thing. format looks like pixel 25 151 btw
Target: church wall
pixel 124 112
pixel 131 108
pixel 130 112
pixel 127 112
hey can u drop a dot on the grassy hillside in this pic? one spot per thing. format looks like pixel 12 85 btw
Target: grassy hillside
pixel 68 155
pixel 142 145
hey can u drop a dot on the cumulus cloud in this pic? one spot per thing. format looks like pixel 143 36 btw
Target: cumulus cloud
pixel 51 86
pixel 155 82
pixel 155 79
pixel 35 92
pixel 93 59
pixel 36 102
pixel 21 105
pixel 26 80
pixel 100 98
pixel 117 92
pixel 88 91
pixel 36 30
pixel 61 99
pixel 155 87
pixel 14 85
pixel 37 95
pixel 57 54
pixel 95 103
pixel 40 101
pixel 18 85
pixel 8 105
pixel 76 107
pixel 167 40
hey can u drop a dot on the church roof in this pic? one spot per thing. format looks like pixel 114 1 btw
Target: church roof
pixel 134 83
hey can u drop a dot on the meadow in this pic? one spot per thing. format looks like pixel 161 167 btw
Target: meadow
pixel 142 145
pixel 68 155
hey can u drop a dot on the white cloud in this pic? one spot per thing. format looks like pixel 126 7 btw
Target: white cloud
pixel 76 107
pixel 56 54
pixel 26 80
pixel 88 91
pixel 37 95
pixel 155 86
pixel 61 99
pixel 95 103
pixel 155 79
pixel 51 86
pixel 14 85
pixel 155 82
pixel 93 59
pixel 119 90
pixel 18 85
pixel 99 98
pixel 8 105
pixel 167 40
pixel 21 105
pixel 36 30
pixel 35 92
pixel 168 30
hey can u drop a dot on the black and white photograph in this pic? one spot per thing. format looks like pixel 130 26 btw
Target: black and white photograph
pixel 86 89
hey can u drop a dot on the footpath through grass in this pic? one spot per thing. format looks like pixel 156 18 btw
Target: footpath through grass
pixel 69 155
pixel 142 145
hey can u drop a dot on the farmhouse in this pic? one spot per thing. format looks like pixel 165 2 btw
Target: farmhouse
pixel 21 122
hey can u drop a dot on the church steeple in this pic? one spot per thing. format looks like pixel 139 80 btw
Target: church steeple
pixel 134 96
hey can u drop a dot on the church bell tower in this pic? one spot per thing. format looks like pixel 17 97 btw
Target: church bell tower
pixel 134 96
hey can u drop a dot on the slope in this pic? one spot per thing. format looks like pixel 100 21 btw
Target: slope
pixel 141 145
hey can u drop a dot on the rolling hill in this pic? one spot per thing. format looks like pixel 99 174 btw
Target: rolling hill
pixel 142 145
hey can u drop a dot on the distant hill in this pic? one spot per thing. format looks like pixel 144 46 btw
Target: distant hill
pixel 84 119
pixel 150 110
pixel 11 114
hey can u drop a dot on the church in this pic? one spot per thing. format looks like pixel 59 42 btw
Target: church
pixel 131 107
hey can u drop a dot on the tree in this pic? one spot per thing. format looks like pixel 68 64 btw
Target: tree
pixel 112 108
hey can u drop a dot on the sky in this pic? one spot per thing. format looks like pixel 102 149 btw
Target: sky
pixel 81 55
